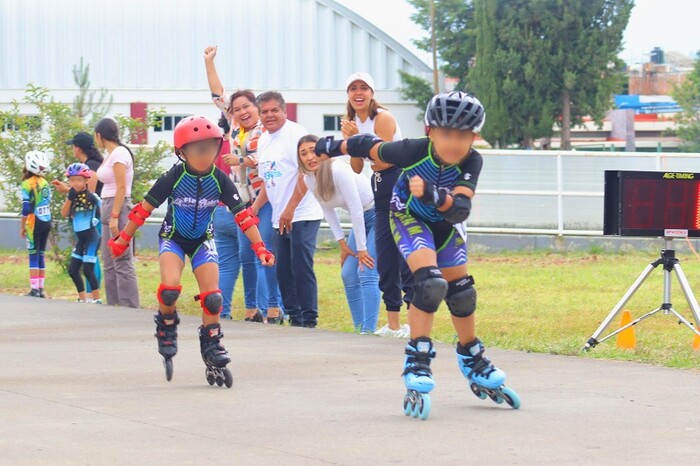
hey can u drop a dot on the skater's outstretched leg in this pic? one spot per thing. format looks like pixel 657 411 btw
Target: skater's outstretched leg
pixel 461 301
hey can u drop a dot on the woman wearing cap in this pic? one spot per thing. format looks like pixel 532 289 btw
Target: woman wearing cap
pixel 366 115
pixel 85 152
pixel 117 175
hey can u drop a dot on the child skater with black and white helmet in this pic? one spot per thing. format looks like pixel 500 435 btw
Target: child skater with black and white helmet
pixel 35 224
pixel 431 200
pixel 193 189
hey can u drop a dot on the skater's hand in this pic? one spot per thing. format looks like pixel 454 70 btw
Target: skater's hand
pixel 60 186
pixel 23 231
pixel 345 252
pixel 118 244
pixel 417 186
pixel 210 53
pixel 364 260
pixel 349 128
pixel 266 257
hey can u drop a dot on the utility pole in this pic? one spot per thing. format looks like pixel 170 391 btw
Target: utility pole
pixel 433 41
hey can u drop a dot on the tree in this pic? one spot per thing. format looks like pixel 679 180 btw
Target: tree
pixel 48 131
pixel 456 45
pixel 582 40
pixel 89 103
pixel 688 97
pixel 417 90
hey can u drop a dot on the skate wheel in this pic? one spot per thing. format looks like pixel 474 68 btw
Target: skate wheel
pixel 210 377
pixel 228 378
pixel 407 405
pixel 417 405
pixel 477 391
pixel 496 398
pixel 219 380
pixel 511 397
pixel 425 404
pixel 168 364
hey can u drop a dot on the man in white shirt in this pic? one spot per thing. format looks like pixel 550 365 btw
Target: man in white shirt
pixel 296 215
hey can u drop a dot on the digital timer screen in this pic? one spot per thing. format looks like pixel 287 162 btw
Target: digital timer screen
pixel 652 204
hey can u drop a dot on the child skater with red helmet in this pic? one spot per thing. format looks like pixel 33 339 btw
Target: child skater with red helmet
pixel 193 189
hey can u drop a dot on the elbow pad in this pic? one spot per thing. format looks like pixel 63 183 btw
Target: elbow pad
pixel 360 145
pixel 460 210
pixel 26 208
pixel 328 146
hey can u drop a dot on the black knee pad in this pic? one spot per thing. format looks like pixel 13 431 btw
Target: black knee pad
pixel 167 295
pixel 429 289
pixel 461 297
pixel 211 301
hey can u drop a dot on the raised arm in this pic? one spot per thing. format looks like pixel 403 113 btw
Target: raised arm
pixel 212 76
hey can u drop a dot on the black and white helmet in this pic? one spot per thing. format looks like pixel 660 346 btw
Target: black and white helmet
pixel 37 162
pixel 457 110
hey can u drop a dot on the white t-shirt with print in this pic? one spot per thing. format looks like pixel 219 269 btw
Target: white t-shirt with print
pixel 279 169
pixel 106 172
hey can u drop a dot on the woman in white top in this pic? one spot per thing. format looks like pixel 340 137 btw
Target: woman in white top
pixel 117 175
pixel 366 115
pixel 335 184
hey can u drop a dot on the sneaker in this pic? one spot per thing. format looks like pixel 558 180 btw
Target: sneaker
pixel 41 293
pixel 257 317
pixel 94 301
pixel 226 316
pixel 279 320
pixel 34 293
pixel 80 301
pixel 403 332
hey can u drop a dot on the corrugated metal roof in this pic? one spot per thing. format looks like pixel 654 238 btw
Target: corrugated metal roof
pixel 158 44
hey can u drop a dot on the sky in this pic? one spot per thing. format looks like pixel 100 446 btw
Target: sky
pixel 669 24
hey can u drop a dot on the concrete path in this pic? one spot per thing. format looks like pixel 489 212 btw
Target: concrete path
pixel 84 384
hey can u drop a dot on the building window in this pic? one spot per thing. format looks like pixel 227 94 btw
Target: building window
pixel 168 123
pixel 331 122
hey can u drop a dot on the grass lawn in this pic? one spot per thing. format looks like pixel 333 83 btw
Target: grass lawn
pixel 533 301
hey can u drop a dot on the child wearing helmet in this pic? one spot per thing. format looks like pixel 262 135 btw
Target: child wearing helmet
pixel 192 190
pixel 430 203
pixel 35 225
pixel 82 207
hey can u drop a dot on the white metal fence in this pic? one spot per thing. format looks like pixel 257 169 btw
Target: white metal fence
pixel 550 192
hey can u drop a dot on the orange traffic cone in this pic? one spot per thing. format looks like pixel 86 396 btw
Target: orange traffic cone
pixel 696 342
pixel 626 339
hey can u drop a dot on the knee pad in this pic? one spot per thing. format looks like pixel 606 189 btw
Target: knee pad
pixel 461 297
pixel 211 301
pixel 167 295
pixel 429 289
pixel 33 261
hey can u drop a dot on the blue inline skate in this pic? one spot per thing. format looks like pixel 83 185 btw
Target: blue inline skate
pixel 485 379
pixel 418 377
pixel 215 356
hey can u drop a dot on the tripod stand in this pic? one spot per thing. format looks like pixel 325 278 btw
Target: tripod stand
pixel 670 264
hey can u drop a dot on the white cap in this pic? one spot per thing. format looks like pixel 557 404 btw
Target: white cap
pixel 364 77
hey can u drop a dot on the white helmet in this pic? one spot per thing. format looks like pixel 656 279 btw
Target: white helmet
pixel 36 162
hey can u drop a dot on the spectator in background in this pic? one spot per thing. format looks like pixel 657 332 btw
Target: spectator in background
pixel 85 152
pixel 117 175
pixel 296 215
pixel 334 184
pixel 366 115
pixel 261 291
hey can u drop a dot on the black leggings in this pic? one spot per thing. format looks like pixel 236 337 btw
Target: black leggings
pixel 88 270
pixel 85 255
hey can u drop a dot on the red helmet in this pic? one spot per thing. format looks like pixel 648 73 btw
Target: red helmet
pixel 195 128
